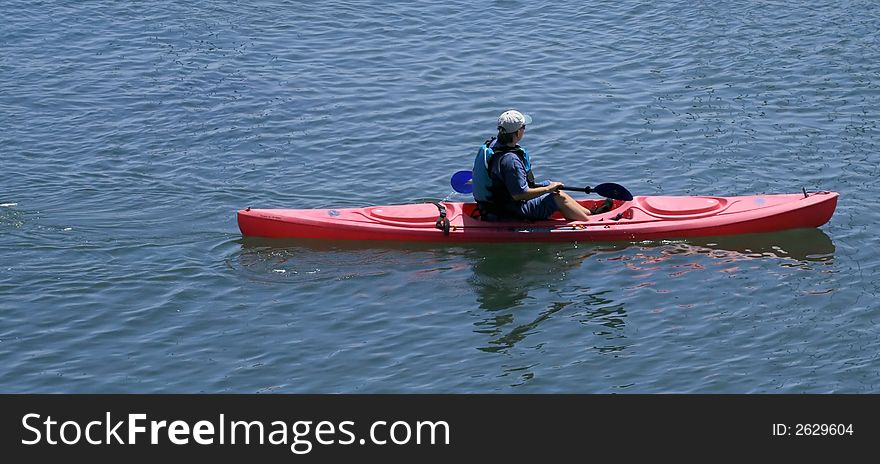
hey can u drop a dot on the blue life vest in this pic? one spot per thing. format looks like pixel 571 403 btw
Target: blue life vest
pixel 489 191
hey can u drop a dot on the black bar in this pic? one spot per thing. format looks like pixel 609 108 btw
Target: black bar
pixel 513 428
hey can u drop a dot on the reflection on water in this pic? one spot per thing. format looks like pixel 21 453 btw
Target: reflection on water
pixel 611 318
pixel 504 274
pixel 529 295
pixel 522 287
pixel 494 327
pixel 807 245
pixel 505 277
pixel 798 247
pixel 804 249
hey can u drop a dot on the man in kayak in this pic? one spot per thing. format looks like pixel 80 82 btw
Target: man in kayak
pixel 504 186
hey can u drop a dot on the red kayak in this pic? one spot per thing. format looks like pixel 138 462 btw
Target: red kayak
pixel 642 218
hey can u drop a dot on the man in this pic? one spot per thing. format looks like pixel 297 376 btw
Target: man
pixel 504 186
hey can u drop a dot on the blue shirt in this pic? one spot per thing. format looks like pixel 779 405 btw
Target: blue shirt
pixel 512 171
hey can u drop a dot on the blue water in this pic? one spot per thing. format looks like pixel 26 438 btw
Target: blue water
pixel 131 132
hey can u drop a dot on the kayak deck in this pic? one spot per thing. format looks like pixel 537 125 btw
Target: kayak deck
pixel 642 218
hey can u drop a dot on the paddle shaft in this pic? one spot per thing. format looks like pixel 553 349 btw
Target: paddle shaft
pixel 578 189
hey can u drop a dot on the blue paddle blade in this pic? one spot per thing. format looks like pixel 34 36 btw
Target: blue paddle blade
pixel 462 182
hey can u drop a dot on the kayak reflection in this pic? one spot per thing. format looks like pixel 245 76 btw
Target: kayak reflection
pixel 540 292
pixel 514 282
pixel 808 245
pixel 799 247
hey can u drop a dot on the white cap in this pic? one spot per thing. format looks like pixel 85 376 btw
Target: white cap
pixel 510 121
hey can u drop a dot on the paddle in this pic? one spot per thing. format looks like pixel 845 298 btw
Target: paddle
pixel 607 190
pixel 462 182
